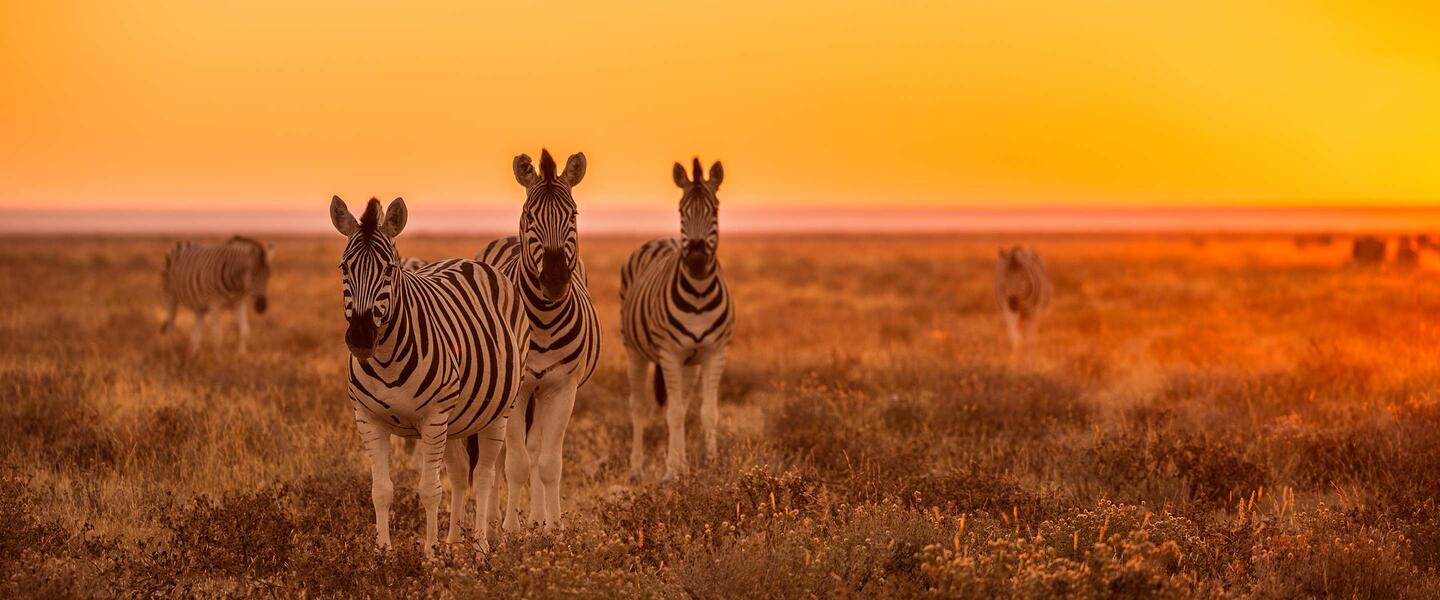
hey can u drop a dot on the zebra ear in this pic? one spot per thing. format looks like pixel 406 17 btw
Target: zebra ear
pixel 524 170
pixel 395 218
pixel 341 218
pixel 269 251
pixel 717 174
pixel 574 169
pixel 681 179
pixel 1002 252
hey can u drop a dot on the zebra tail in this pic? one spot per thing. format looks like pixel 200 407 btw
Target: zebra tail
pixel 529 414
pixel 472 450
pixel 659 386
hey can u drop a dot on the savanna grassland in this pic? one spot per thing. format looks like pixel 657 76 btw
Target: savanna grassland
pixel 1231 418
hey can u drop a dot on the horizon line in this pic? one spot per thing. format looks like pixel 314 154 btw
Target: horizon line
pixel 795 219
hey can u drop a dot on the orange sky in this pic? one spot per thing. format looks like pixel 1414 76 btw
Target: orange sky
pixel 160 104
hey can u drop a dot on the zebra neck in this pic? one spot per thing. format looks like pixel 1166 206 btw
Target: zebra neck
pixel 702 286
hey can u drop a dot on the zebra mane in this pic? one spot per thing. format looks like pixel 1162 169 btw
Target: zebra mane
pixel 547 165
pixel 370 221
pixel 259 247
pixel 699 178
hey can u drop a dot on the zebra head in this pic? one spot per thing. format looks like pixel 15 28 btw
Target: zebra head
pixel 699 218
pixel 257 271
pixel 370 266
pixel 549 247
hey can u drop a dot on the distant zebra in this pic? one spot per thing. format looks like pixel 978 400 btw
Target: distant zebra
pixel 1023 290
pixel 675 313
pixel 411 263
pixel 436 355
pixel 206 277
pixel 544 261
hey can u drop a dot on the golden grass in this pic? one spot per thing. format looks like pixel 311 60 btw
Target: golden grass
pixel 1234 418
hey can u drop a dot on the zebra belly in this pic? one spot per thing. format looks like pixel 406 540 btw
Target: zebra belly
pixel 404 409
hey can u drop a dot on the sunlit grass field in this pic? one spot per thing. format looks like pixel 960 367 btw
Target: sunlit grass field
pixel 1200 417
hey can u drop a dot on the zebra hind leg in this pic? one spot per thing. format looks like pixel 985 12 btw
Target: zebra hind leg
pixel 713 368
pixel 242 325
pixel 171 307
pixel 197 331
pixel 517 460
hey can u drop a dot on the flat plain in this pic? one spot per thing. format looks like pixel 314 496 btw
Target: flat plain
pixel 1201 416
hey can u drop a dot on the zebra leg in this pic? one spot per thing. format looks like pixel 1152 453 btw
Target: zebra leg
pixel 171 307
pixel 674 418
pixel 534 433
pixel 457 467
pixel 242 325
pixel 491 439
pixel 713 366
pixel 517 457
pixel 554 413
pixel 640 410
pixel 382 490
pixel 1012 328
pixel 432 446
pixel 217 333
pixel 197 331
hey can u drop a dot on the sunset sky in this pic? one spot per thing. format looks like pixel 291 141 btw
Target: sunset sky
pixel 278 105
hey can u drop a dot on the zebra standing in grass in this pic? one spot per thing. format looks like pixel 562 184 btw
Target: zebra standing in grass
pixel 436 355
pixel 205 277
pixel 1023 290
pixel 675 313
pixel 544 261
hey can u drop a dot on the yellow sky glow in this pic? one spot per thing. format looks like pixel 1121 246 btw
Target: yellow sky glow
pixel 178 104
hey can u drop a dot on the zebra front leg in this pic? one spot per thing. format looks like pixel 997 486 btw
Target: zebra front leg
pixel 457 467
pixel 1012 328
pixel 675 405
pixel 217 333
pixel 640 410
pixel 553 416
pixel 242 325
pixel 534 432
pixel 171 307
pixel 712 367
pixel 517 459
pixel 382 490
pixel 491 440
pixel 432 447
pixel 197 331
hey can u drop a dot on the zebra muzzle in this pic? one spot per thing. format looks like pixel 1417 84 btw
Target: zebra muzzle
pixel 360 336
pixel 554 274
pixel 261 304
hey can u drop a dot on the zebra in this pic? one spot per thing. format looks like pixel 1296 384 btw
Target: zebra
pixel 676 313
pixel 544 261
pixel 436 355
pixel 1023 290
pixel 411 263
pixel 205 277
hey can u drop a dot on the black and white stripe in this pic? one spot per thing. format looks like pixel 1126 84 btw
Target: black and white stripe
pixel 437 355
pixel 544 261
pixel 1023 290
pixel 213 277
pixel 675 312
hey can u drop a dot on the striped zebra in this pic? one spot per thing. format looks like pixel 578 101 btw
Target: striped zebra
pixel 1023 291
pixel 411 263
pixel 206 277
pixel 436 355
pixel 675 313
pixel 544 261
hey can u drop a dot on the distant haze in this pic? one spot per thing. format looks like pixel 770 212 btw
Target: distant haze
pixel 751 220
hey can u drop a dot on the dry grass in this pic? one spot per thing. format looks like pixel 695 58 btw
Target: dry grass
pixel 1237 419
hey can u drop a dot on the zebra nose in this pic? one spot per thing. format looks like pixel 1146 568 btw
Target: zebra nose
pixel 554 273
pixel 261 304
pixel 360 336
